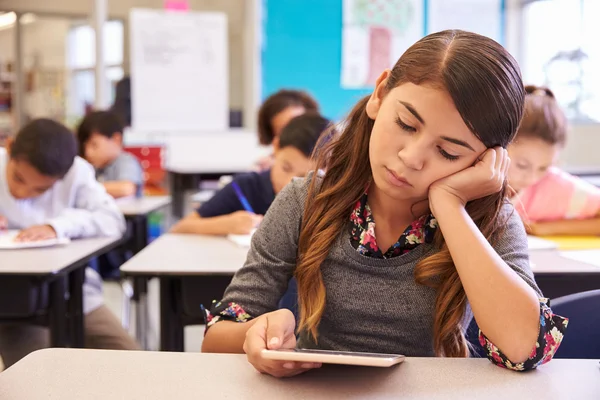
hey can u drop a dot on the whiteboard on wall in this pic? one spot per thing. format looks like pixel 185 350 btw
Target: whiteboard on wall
pixel 484 17
pixel 179 71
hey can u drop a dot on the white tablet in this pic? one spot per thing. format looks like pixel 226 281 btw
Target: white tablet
pixel 334 357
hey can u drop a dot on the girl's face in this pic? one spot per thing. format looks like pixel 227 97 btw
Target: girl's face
pixel 282 118
pixel 418 138
pixel 530 160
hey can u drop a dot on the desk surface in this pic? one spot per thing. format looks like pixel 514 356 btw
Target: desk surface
pixel 177 254
pixel 551 262
pixel 96 374
pixel 226 152
pixel 142 206
pixel 52 260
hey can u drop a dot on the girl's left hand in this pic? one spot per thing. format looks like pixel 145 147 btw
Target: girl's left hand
pixel 484 178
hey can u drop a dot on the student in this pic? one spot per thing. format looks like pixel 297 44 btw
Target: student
pixel 100 136
pixel 549 200
pixel 275 113
pixel 421 159
pixel 47 192
pixel 225 213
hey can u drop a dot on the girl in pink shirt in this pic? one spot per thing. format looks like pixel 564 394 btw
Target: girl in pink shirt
pixel 549 200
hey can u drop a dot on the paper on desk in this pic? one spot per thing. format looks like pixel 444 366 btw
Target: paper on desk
pixel 536 243
pixel 242 240
pixel 7 242
pixel 587 256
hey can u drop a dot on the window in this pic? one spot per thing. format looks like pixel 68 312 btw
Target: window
pixel 560 51
pixel 81 61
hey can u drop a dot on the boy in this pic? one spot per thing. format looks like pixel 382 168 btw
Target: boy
pixel 225 213
pixel 47 192
pixel 100 137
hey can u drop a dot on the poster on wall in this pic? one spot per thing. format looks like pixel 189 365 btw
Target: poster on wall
pixel 479 16
pixel 375 33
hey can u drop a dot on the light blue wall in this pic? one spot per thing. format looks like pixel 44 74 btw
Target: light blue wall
pixel 302 48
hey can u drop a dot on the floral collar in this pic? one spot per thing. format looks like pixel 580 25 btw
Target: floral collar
pixel 363 232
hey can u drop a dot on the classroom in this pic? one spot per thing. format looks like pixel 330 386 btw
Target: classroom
pixel 292 199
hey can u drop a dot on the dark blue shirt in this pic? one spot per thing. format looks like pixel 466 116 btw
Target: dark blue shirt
pixel 257 188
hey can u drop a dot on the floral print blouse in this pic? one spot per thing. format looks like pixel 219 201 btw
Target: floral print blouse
pixel 362 237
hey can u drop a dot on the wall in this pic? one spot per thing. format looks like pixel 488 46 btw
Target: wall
pixel 302 48
pixel 120 9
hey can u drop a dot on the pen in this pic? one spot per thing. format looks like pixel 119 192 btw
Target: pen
pixel 241 197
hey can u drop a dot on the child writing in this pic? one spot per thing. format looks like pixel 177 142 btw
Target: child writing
pixel 238 207
pixel 408 233
pixel 275 113
pixel 549 200
pixel 100 136
pixel 48 192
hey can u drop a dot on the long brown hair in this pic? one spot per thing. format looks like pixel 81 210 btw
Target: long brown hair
pixel 485 84
pixel 543 117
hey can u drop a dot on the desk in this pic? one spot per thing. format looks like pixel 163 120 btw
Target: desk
pixel 136 212
pixel 559 276
pixel 55 266
pixel 208 155
pixel 73 374
pixel 204 263
pixel 207 264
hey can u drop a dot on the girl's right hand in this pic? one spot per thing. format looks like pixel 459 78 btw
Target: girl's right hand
pixel 274 330
pixel 3 223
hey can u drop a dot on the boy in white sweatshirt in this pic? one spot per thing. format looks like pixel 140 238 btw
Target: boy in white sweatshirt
pixel 46 191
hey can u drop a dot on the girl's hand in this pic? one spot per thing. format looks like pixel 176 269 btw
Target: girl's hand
pixel 274 330
pixel 484 178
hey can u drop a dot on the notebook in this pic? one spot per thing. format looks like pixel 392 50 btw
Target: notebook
pixel 536 243
pixel 242 240
pixel 7 242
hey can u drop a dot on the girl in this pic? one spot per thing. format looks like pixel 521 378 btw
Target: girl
pixel 275 113
pixel 551 201
pixel 408 233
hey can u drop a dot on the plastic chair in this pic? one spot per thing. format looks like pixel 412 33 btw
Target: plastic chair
pixel 582 337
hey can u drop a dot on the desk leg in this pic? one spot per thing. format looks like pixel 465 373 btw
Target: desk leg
pixel 58 313
pixel 177 194
pixel 140 233
pixel 140 295
pixel 171 323
pixel 76 279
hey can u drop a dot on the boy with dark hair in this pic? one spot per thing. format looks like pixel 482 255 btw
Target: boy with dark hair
pixel 47 192
pixel 226 213
pixel 100 137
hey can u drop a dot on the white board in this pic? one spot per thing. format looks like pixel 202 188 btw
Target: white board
pixel 179 71
pixel 479 16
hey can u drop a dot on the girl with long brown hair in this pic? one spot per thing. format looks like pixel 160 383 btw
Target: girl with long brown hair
pixel 408 233
pixel 550 200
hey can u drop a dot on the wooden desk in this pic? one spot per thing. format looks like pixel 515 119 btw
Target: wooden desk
pixel 193 270
pixel 559 276
pixel 55 266
pixel 70 374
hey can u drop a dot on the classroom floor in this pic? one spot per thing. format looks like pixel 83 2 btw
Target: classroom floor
pixel 113 296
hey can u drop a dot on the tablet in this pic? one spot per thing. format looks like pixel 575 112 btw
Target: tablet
pixel 334 357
